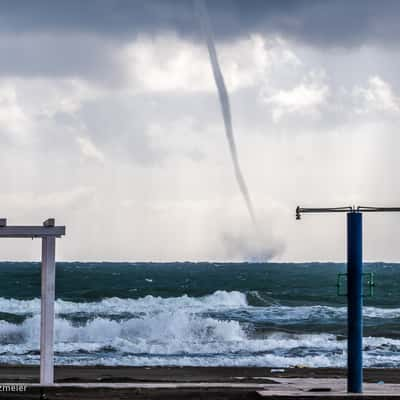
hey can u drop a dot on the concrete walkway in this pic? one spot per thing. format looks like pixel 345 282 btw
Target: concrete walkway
pixel 280 388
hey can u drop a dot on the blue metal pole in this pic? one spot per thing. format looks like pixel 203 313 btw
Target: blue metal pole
pixel 354 302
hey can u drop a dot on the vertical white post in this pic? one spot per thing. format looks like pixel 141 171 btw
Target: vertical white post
pixel 47 311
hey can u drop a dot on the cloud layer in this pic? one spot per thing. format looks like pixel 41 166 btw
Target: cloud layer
pixel 110 122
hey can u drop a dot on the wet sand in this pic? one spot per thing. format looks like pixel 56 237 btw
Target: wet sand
pixel 182 383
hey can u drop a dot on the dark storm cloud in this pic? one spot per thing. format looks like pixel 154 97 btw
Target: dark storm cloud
pixel 333 22
pixel 56 56
pixel 116 18
pixel 77 38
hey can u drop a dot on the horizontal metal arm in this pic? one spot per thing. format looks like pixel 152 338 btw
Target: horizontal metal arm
pixel 378 209
pixel 300 210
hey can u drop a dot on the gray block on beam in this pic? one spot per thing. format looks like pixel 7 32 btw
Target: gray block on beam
pixel 49 222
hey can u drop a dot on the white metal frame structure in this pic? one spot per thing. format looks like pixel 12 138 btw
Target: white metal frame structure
pixel 48 232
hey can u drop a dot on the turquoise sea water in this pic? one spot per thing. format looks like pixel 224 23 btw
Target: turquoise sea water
pixel 197 314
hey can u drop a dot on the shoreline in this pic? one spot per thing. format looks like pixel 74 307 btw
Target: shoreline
pixel 111 374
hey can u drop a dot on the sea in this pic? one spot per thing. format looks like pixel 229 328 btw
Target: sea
pixel 199 314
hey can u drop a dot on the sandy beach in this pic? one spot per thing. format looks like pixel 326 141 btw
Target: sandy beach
pixel 241 383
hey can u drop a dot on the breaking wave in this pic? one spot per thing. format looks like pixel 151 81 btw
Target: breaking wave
pixel 220 329
pixel 218 301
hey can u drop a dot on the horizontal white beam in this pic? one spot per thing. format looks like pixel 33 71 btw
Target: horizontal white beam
pixel 31 231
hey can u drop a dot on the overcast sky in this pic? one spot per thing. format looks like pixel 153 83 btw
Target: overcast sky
pixel 110 122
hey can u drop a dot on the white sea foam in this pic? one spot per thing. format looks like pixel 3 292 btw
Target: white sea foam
pixel 181 338
pixel 219 300
pixel 115 305
pixel 185 331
